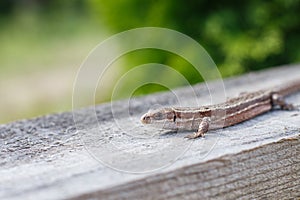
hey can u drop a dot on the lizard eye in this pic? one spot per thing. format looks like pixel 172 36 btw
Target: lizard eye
pixel 146 118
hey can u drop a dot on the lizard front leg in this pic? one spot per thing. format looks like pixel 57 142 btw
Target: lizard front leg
pixel 203 128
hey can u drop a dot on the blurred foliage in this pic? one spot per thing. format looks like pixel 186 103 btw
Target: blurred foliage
pixel 42 45
pixel 32 33
pixel 240 36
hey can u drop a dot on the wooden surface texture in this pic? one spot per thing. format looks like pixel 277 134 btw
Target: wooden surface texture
pixel 115 157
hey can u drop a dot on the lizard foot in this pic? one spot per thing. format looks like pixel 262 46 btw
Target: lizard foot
pixel 195 135
pixel 203 128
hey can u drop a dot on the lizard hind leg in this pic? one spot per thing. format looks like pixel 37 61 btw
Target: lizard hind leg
pixel 278 100
pixel 203 128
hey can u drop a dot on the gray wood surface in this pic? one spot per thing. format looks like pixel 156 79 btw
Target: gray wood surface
pixel 115 157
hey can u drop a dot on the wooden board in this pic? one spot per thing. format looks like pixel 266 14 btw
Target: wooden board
pixel 114 157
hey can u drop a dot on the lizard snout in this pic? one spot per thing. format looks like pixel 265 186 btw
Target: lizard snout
pixel 145 119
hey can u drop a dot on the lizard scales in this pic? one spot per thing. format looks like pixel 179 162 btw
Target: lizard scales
pixel 231 112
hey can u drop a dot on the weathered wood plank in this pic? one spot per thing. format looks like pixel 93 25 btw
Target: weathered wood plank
pixel 271 170
pixel 49 158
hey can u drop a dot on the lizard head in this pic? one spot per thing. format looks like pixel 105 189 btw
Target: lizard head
pixel 164 118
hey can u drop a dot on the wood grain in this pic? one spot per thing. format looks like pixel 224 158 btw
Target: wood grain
pixel 51 157
pixel 270 171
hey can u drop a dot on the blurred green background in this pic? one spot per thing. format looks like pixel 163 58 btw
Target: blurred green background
pixel 43 42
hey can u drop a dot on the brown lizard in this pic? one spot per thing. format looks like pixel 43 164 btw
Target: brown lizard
pixel 229 113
